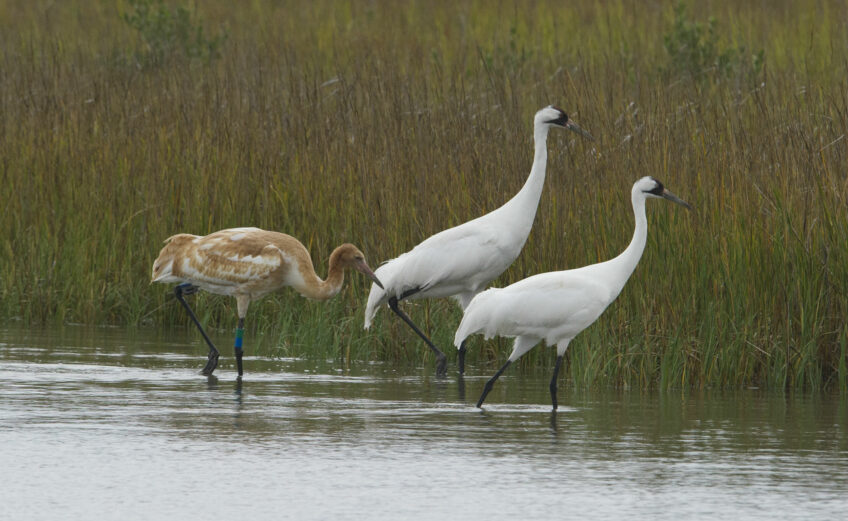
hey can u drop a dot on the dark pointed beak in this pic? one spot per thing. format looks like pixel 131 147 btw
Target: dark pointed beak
pixel 364 269
pixel 570 125
pixel 673 198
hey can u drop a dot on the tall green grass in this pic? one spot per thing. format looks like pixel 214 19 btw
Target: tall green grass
pixel 381 123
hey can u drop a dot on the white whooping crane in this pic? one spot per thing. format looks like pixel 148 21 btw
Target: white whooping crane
pixel 556 306
pixel 459 262
pixel 248 263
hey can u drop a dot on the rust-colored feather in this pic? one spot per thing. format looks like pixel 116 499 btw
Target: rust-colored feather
pixel 246 261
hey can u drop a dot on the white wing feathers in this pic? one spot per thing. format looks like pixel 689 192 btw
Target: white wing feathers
pixel 469 255
pixel 456 260
pixel 551 306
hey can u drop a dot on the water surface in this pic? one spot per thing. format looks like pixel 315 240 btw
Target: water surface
pixel 111 424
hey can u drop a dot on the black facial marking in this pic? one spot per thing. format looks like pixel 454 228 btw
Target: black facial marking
pixel 658 190
pixel 561 120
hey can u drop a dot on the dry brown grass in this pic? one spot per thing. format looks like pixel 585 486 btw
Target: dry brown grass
pixel 380 124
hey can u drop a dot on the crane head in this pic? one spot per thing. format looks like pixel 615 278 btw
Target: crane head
pixel 349 256
pixel 556 117
pixel 653 188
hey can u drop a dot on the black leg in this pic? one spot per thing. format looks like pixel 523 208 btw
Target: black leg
pixel 461 387
pixel 491 382
pixel 211 363
pixel 554 382
pixel 441 359
pixel 188 289
pixel 238 349
pixel 462 351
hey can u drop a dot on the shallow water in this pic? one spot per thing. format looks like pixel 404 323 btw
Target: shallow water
pixel 111 424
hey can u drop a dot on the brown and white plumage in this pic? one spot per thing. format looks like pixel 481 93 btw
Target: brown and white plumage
pixel 249 263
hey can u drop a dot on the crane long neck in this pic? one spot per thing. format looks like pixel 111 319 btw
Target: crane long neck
pixel 318 289
pixel 528 197
pixel 628 259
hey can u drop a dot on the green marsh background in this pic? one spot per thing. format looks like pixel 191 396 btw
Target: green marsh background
pixel 380 123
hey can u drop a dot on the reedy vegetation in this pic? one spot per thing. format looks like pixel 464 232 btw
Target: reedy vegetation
pixel 380 124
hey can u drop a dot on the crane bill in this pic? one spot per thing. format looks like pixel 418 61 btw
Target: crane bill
pixel 673 198
pixel 570 125
pixel 365 270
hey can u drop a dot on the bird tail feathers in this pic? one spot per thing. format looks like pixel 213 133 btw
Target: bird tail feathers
pixel 467 327
pixel 376 298
pixel 477 317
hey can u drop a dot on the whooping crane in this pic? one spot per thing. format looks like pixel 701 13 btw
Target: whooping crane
pixel 459 262
pixel 248 263
pixel 556 306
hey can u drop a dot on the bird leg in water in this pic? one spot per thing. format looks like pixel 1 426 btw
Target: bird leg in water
pixel 554 382
pixel 188 289
pixel 491 382
pixel 238 349
pixel 462 351
pixel 441 359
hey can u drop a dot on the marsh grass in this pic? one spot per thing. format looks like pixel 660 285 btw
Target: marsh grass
pixel 380 124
